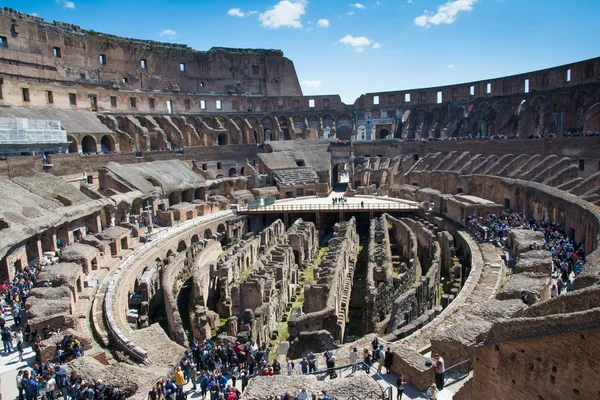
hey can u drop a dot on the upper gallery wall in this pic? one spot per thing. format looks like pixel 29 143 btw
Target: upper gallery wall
pixel 64 52
pixel 60 65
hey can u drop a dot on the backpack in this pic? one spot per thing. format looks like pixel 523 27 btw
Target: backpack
pixel 61 381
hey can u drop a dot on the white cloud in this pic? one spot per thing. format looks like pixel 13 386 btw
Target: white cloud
pixel 410 1
pixel 323 23
pixel 167 32
pixel 286 13
pixel 450 65
pixel 314 84
pixel 34 14
pixel 377 3
pixel 236 12
pixel 358 41
pixel 446 13
pixel 358 5
pixel 376 45
pixel 66 4
pixel 350 13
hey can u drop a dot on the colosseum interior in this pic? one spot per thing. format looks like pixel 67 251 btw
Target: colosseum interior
pixel 171 204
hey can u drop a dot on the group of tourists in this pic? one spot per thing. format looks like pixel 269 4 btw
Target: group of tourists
pixel 206 366
pixel 13 297
pixel 339 200
pixel 47 382
pixel 567 257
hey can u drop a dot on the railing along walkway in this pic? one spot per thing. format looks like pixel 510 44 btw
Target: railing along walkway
pixel 392 206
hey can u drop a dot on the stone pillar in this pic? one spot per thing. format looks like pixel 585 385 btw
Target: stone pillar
pixel 48 241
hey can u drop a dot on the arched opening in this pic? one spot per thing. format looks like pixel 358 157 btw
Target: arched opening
pixel 222 234
pixel 344 133
pixel 243 171
pixel 106 144
pixel 518 206
pixel 222 140
pixel 232 172
pixel 383 134
pixel 208 234
pixel 181 246
pixel 72 145
pixel 174 198
pixel 195 239
pixel 88 144
pixel 339 175
pixel 300 163
pixel 199 194
pixel 188 195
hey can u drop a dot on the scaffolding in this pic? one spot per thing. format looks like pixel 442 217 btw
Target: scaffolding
pixel 24 136
pixel 24 131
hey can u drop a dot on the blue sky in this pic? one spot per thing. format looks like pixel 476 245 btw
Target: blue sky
pixel 359 46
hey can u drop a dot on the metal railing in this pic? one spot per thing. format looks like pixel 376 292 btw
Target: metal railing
pixel 331 207
pixel 457 371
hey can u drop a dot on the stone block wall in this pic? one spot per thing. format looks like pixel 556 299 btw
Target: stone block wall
pixel 329 296
pixel 385 283
pixel 543 358
pixel 424 296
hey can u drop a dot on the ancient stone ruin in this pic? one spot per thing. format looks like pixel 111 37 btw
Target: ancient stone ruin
pixel 156 208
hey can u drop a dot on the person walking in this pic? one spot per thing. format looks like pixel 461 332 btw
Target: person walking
pixel 20 350
pixel 6 340
pixel 354 359
pixel 400 385
pixel 193 376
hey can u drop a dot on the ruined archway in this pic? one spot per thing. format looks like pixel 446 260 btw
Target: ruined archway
pixel 107 144
pixel 72 145
pixel 88 144
pixel 232 172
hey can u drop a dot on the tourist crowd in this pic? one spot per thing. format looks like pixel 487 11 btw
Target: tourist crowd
pixel 43 380
pixel 567 257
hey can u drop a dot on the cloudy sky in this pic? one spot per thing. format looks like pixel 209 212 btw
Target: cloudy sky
pixel 352 48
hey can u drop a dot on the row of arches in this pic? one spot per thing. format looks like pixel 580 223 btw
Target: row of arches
pixel 522 116
pixel 89 144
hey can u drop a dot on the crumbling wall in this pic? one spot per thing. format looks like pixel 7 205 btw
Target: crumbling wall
pixel 328 299
pixel 388 276
pixel 424 296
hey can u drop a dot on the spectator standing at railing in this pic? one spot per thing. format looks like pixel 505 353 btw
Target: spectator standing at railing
pixel 439 369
